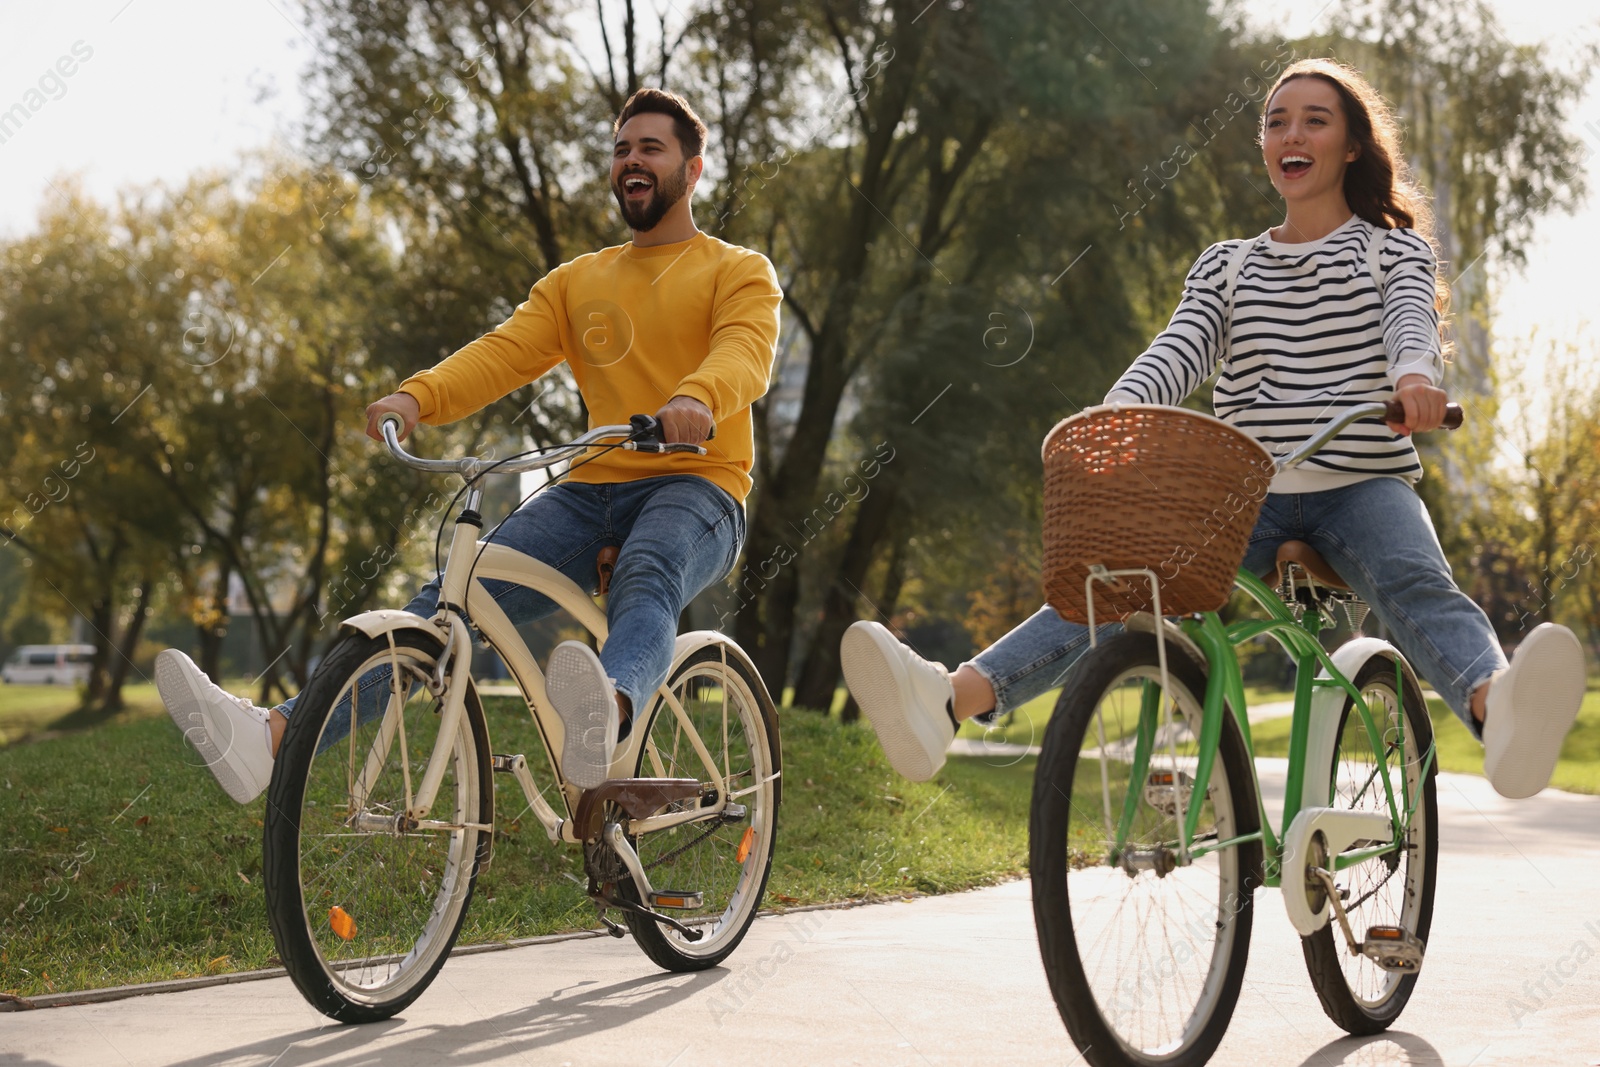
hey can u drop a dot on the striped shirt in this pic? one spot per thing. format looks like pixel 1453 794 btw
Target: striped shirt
pixel 1311 334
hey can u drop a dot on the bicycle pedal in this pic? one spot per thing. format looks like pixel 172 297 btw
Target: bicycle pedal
pixel 1163 789
pixel 667 898
pixel 506 764
pixel 1393 949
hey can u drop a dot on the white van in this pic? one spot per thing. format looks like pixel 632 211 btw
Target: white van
pixel 49 665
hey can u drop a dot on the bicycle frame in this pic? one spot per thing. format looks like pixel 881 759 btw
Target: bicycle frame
pixel 469 564
pixel 1225 690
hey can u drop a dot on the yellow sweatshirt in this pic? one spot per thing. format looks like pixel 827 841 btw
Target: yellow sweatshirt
pixel 638 326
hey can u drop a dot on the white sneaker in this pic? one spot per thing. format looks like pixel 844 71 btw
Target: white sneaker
pixel 1530 708
pixel 586 700
pixel 907 699
pixel 230 733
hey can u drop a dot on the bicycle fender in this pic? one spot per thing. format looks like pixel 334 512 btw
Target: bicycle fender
pixel 385 620
pixel 691 642
pixel 1328 701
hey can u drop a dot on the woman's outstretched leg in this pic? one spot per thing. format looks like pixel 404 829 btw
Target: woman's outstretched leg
pixel 916 706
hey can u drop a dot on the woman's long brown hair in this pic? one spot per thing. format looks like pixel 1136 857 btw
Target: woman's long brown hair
pixel 1378 184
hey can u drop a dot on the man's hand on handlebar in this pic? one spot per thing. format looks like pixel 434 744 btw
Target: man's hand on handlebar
pixel 401 404
pixel 1424 403
pixel 685 420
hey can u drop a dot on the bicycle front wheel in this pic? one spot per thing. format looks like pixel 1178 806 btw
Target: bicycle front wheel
pixel 727 858
pixel 1396 888
pixel 365 908
pixel 1144 948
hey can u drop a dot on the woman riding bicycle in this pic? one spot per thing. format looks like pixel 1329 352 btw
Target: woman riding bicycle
pixel 1301 328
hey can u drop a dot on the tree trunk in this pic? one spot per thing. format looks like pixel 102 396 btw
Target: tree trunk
pixel 122 662
pixel 889 601
pixel 213 628
pixel 766 621
pixel 819 673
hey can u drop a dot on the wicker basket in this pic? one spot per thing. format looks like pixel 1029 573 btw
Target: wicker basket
pixel 1129 486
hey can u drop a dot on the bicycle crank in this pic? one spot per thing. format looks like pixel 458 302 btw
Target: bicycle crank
pixel 1390 947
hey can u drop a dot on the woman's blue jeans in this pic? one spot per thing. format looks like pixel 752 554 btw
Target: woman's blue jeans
pixel 1375 533
pixel 677 534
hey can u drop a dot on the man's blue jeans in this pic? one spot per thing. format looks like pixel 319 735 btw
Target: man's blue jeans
pixel 1375 533
pixel 677 534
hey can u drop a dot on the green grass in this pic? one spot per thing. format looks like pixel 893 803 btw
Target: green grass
pixel 123 862
pixel 1578 769
pixel 29 710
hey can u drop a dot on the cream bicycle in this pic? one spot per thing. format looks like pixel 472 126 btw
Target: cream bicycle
pixel 381 809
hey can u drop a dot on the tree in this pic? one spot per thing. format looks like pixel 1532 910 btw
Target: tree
pixel 76 310
pixel 1486 124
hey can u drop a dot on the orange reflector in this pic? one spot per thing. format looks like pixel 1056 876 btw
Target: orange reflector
pixel 341 922
pixel 664 901
pixel 745 842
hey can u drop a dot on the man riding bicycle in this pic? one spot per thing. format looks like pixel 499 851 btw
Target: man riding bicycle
pixel 674 322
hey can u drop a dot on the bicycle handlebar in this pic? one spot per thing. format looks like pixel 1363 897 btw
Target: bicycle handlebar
pixel 1388 410
pixel 641 434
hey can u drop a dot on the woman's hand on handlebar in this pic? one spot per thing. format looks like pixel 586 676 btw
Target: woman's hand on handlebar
pixel 402 404
pixel 685 420
pixel 1424 403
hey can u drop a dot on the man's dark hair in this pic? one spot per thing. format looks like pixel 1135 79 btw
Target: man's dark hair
pixel 686 124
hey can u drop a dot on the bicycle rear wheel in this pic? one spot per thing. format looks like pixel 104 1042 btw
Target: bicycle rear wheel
pixel 726 859
pixel 1145 954
pixel 363 909
pixel 1395 889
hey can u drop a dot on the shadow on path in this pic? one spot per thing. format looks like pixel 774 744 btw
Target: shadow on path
pixel 1393 1047
pixel 582 1008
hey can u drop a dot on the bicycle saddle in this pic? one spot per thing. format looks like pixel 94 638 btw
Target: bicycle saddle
pixel 1311 562
pixel 605 564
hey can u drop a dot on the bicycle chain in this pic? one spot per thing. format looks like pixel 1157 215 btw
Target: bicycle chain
pixel 716 824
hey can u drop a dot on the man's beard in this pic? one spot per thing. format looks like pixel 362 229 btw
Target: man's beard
pixel 667 192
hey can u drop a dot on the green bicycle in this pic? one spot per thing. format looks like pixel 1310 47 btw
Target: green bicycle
pixel 1149 834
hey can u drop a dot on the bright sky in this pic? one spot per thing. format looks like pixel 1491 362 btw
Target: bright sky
pixel 170 86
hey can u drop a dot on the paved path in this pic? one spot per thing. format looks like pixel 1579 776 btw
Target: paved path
pixel 1513 977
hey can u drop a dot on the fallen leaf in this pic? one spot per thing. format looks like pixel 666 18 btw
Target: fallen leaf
pixel 142 820
pixel 242 878
pixel 218 960
pixel 58 829
pixel 786 900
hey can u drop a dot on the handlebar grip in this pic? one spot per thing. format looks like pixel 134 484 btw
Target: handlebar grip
pixel 647 437
pixel 1395 411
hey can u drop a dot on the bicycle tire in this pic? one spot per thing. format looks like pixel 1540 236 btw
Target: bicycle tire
pixel 398 940
pixel 709 858
pixel 1333 971
pixel 1097 1006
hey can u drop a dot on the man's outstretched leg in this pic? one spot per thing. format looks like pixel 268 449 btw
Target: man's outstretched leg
pixel 564 526
pixel 235 737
